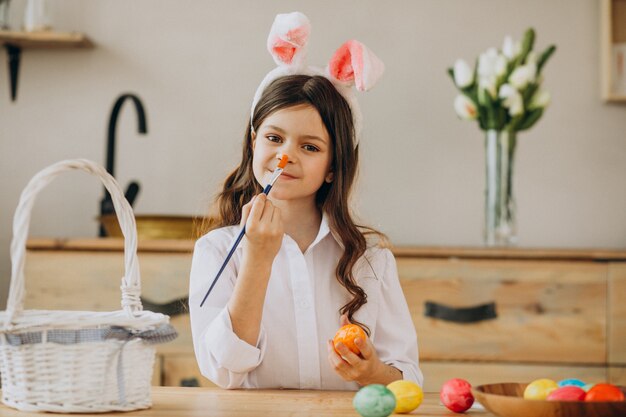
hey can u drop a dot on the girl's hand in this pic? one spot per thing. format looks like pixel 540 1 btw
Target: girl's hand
pixel 365 368
pixel 264 235
pixel 264 228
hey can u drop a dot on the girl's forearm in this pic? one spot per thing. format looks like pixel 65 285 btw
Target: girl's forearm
pixel 386 374
pixel 246 304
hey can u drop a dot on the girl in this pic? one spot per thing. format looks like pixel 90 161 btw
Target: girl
pixel 305 268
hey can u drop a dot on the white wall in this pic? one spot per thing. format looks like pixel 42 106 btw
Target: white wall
pixel 196 65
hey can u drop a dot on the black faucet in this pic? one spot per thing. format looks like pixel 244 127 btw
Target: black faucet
pixel 106 205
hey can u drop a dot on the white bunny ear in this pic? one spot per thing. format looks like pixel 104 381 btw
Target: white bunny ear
pixel 354 62
pixel 288 38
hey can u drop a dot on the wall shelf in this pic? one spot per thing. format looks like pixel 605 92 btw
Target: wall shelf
pixel 14 42
pixel 613 33
pixel 45 40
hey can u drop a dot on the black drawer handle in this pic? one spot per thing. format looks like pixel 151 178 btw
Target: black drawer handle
pixel 460 315
pixel 189 382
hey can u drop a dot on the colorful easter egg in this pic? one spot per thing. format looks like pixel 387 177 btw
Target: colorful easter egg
pixel 346 335
pixel 408 394
pixel 374 400
pixel 571 381
pixel 456 395
pixel 539 389
pixel 604 392
pixel 567 393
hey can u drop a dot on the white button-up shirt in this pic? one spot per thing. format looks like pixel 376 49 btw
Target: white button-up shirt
pixel 301 312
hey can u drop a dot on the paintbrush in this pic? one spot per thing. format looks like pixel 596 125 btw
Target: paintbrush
pixel 279 170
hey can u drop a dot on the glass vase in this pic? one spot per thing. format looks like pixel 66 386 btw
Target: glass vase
pixel 4 14
pixel 500 221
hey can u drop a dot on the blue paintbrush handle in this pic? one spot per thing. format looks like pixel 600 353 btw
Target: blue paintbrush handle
pixel 266 191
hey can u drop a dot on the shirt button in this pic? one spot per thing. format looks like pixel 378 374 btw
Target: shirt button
pixel 305 304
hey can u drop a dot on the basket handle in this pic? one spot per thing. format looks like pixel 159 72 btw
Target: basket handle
pixel 131 282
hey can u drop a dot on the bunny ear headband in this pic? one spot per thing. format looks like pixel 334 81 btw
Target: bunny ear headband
pixel 351 65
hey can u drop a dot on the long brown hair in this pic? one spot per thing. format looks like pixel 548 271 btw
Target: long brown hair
pixel 332 198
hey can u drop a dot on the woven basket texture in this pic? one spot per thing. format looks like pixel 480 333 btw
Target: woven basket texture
pixel 76 375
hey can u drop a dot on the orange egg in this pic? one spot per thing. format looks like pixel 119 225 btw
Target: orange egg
pixel 604 392
pixel 347 334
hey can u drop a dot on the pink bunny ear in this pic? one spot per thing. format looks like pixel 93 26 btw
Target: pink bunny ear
pixel 354 62
pixel 288 37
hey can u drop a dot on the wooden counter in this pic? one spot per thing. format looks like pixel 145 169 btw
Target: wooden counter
pixel 186 246
pixel 216 402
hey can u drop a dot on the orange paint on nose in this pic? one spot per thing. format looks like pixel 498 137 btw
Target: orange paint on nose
pixel 283 161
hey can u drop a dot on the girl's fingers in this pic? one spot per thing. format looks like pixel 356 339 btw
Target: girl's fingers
pixel 331 351
pixel 347 355
pixel 260 208
pixel 365 346
pixel 338 364
pixel 245 211
pixel 277 223
pixel 257 208
pixel 276 219
pixel 332 354
pixel 268 211
pixel 343 320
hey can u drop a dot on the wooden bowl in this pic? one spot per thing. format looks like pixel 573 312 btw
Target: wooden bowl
pixel 153 226
pixel 506 400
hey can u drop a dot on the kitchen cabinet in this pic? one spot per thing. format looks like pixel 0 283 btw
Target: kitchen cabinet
pixel 613 50
pixel 557 313
pixel 554 313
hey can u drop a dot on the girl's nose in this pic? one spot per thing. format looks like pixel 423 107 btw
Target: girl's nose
pixel 289 157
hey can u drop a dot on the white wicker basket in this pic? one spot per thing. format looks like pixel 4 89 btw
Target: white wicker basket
pixel 78 361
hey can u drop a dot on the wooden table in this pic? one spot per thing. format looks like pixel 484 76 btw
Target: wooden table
pixel 216 402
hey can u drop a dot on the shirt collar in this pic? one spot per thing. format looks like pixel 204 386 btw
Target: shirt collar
pixel 324 230
pixel 326 227
pixel 332 232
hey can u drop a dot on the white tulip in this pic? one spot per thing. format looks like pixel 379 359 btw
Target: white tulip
pixel 491 65
pixel 463 74
pixel 521 76
pixel 501 64
pixel 487 63
pixel 507 48
pixel 465 108
pixel 512 99
pixel 511 49
pixel 541 99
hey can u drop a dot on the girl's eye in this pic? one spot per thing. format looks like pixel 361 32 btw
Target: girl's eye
pixel 273 138
pixel 311 148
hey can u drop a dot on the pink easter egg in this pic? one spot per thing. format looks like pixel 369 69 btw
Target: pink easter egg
pixel 456 395
pixel 567 393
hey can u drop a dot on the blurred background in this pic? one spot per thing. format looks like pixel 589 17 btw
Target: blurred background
pixel 196 64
